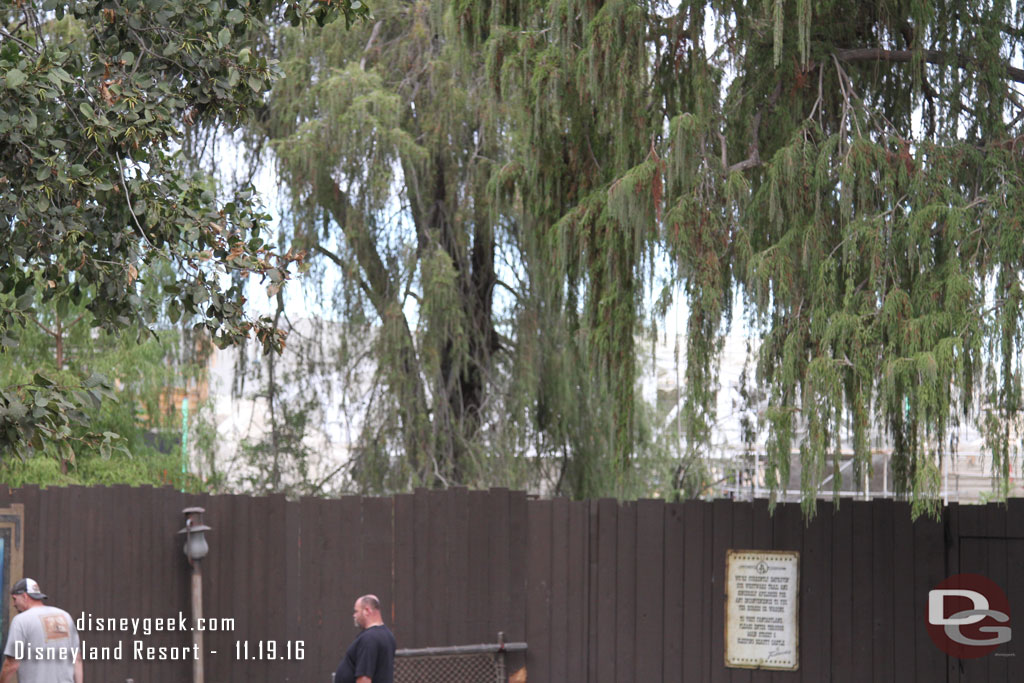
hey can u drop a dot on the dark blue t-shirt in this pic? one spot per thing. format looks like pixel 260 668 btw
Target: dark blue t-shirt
pixel 371 654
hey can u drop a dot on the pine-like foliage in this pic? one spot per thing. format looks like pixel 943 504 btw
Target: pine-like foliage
pixel 851 171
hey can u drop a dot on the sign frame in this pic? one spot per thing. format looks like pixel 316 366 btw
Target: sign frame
pixel 12 553
pixel 762 595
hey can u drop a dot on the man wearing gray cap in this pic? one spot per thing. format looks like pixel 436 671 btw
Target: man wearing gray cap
pixel 42 646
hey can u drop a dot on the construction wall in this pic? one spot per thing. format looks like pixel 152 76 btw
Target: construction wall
pixel 599 590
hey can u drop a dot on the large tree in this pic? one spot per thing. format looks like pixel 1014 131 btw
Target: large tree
pixel 403 176
pixel 499 181
pixel 97 95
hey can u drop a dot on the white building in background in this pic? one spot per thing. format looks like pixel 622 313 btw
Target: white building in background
pixel 238 412
pixel 966 474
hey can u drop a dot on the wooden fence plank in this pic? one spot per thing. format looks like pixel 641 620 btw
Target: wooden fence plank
pixel 501 563
pixel 1014 570
pixel 974 559
pixel 519 546
pixel 816 596
pixel 426 615
pixel 294 576
pixel 404 613
pixel 951 518
pixel 138 602
pixel 341 577
pixel 905 620
pixel 883 616
pixel 93 564
pixel 348 579
pixel 265 579
pixel 76 542
pixel 577 592
pixel 842 593
pixel 218 583
pixel 929 569
pixel 625 591
pixel 996 546
pixel 457 571
pixel 607 624
pixel 1015 520
pixel 696 653
pixel 318 656
pixel 538 592
pixel 593 578
pixel 559 588
pixel 155 578
pixel 674 577
pixel 762 538
pixel 863 577
pixel 742 539
pixel 146 596
pixel 787 534
pixel 241 529
pixel 273 573
pixel 721 537
pixel 479 561
pixel 58 533
pixel 376 539
pixel 650 590
pixel 711 601
pixel 127 505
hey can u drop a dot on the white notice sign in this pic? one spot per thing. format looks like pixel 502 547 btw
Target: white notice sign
pixel 761 608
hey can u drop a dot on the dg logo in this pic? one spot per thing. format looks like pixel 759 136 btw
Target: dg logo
pixel 968 616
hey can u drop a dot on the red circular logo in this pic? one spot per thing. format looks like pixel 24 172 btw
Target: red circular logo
pixel 968 616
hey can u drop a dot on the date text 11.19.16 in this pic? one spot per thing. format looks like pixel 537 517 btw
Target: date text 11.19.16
pixel 270 649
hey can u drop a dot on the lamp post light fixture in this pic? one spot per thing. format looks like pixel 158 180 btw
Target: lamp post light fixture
pixel 195 550
pixel 195 547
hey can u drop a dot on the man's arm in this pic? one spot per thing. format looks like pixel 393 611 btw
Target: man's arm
pixel 10 668
pixel 79 671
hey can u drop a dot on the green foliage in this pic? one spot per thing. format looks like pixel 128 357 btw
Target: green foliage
pixel 280 461
pixel 472 387
pixel 501 183
pixel 157 469
pixel 869 252
pixel 93 189
pixel 123 426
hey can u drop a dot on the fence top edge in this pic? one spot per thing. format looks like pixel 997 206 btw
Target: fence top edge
pixel 487 648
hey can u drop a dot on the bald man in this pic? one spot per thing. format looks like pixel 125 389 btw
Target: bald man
pixel 371 656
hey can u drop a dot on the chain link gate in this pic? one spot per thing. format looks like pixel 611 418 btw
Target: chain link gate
pixel 479 668
pixel 457 664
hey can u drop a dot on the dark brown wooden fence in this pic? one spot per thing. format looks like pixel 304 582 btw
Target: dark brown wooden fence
pixel 600 591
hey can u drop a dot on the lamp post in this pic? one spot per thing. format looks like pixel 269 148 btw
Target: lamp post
pixel 195 550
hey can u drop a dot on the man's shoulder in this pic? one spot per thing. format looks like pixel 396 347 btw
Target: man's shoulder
pixel 47 611
pixel 379 633
pixel 31 618
pixel 19 619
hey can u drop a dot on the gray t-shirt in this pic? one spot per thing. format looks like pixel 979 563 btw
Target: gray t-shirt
pixel 44 641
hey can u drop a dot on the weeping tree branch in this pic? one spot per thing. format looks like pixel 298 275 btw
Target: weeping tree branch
pixel 931 56
pixel 369 44
pixel 754 158
pixel 383 295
